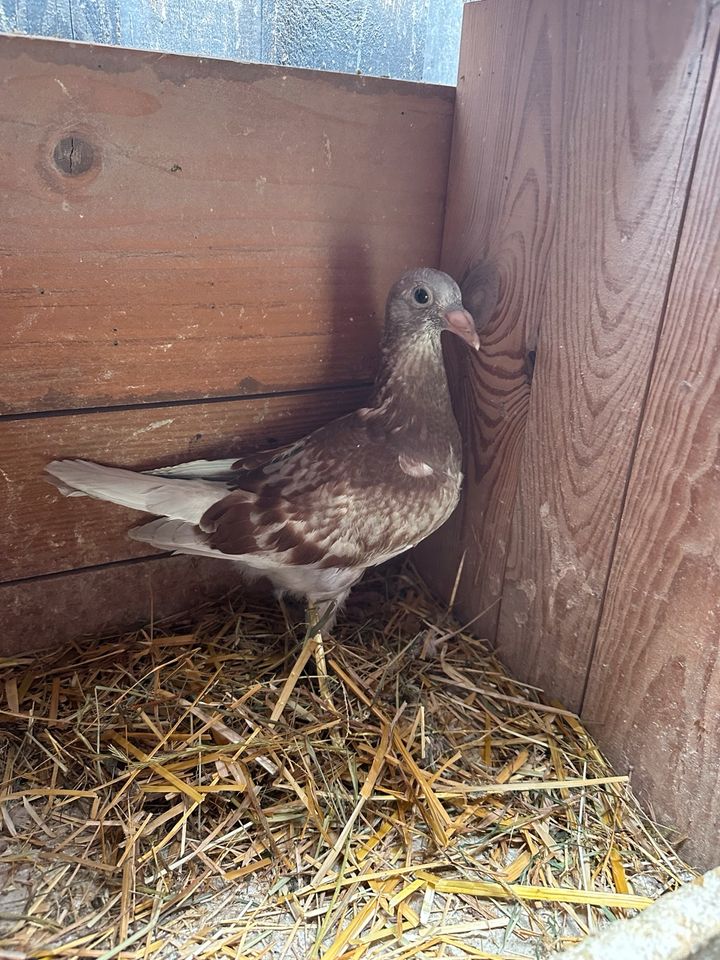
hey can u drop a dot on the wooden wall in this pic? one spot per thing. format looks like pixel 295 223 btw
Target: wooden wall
pixel 403 39
pixel 194 258
pixel 585 170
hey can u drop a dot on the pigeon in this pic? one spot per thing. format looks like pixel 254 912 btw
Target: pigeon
pixel 314 515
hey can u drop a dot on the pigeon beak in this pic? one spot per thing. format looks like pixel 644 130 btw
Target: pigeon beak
pixel 459 322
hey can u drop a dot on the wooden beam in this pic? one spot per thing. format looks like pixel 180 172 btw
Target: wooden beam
pixel 653 695
pixel 177 227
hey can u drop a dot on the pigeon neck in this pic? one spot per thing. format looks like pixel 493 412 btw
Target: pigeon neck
pixel 411 386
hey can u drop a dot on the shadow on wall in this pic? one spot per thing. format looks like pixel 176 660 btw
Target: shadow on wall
pixel 350 288
pixel 402 39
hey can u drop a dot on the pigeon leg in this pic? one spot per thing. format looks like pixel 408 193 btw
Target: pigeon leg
pixel 284 610
pixel 313 647
pixel 315 617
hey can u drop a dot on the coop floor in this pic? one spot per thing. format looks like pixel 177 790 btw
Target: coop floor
pixel 172 794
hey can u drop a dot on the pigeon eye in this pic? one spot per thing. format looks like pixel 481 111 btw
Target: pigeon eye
pixel 421 295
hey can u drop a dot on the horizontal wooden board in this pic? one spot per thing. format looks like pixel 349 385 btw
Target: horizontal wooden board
pixel 653 695
pixel 109 600
pixel 45 532
pixel 176 227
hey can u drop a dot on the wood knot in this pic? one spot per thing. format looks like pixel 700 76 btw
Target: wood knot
pixel 73 155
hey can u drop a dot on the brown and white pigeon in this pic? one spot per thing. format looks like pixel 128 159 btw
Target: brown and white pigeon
pixel 314 515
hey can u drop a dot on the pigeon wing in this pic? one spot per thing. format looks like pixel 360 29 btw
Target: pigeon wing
pixel 348 495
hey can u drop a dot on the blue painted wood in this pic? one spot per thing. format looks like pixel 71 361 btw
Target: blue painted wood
pixel 229 29
pixel 36 18
pixel 442 41
pixel 403 39
pixel 366 36
pixel 97 22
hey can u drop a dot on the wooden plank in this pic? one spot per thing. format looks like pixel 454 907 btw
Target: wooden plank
pixel 654 688
pixel 45 533
pixel 442 43
pixel 405 39
pixel 231 29
pixel 632 126
pixel 575 130
pixel 502 209
pixel 97 21
pixel 235 232
pixel 107 601
pixel 40 18
pixel 356 36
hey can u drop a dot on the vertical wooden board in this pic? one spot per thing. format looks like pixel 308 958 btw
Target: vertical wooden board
pixel 633 110
pixel 573 137
pixel 653 695
pixel 518 61
pixel 221 229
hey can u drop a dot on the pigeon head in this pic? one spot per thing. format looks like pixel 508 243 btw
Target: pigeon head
pixel 425 302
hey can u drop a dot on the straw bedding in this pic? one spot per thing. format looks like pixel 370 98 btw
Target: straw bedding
pixel 191 790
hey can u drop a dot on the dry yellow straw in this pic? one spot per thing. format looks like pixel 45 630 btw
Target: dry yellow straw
pixel 187 784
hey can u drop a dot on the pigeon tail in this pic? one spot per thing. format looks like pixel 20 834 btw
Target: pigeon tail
pixel 173 534
pixel 181 537
pixel 180 499
pixel 198 470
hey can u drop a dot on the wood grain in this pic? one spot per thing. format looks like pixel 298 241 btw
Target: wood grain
pixel 632 122
pixel 229 29
pixel 41 18
pixel 516 65
pixel 380 39
pixel 405 39
pixel 107 601
pixel 235 233
pixel 45 533
pixel 573 141
pixel 653 695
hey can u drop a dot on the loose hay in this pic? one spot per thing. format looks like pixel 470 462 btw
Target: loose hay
pixel 184 792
